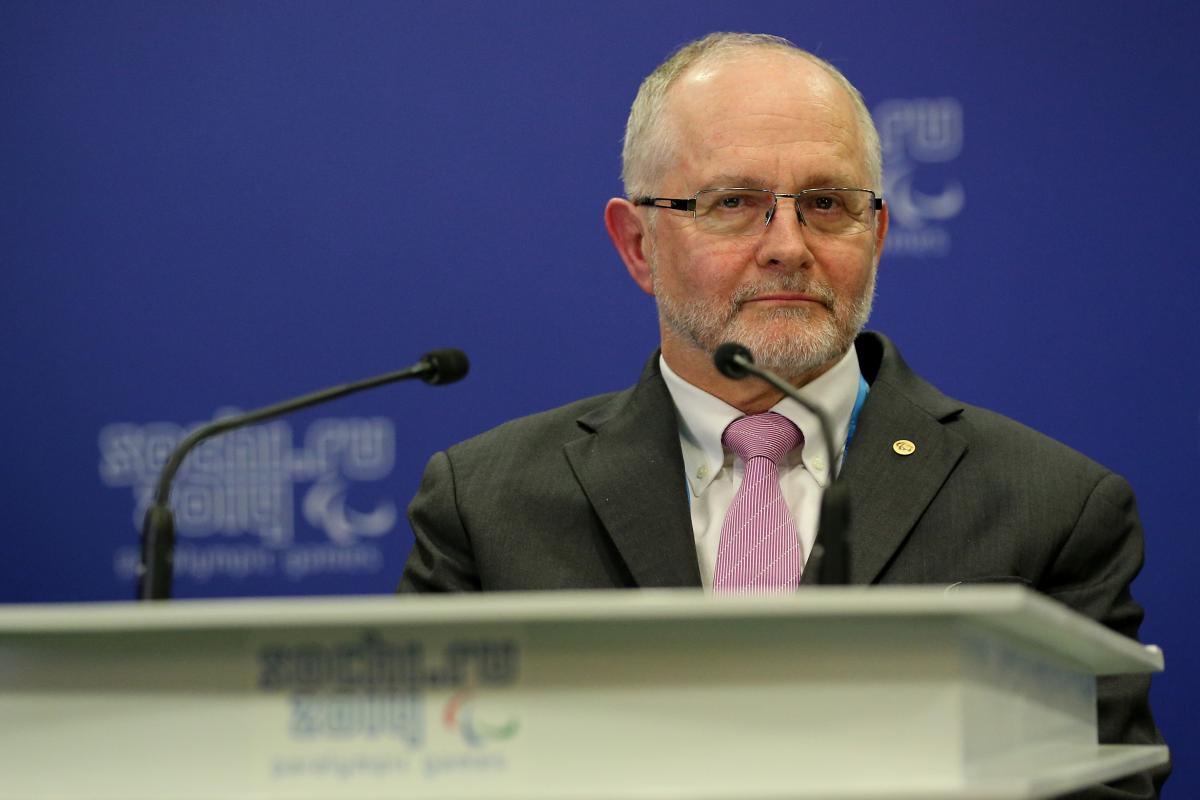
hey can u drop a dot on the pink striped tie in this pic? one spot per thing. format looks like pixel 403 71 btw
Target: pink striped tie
pixel 760 547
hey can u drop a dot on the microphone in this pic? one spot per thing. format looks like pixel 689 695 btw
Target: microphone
pixel 443 366
pixel 437 368
pixel 829 553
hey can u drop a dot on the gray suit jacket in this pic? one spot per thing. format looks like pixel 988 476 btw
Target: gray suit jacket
pixel 592 495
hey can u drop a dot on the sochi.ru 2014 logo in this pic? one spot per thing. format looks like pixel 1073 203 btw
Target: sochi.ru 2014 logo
pixel 462 714
pixel 235 497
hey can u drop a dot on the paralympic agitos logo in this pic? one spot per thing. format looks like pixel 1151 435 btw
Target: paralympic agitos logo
pixel 463 716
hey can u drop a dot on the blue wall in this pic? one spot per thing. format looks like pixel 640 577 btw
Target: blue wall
pixel 206 206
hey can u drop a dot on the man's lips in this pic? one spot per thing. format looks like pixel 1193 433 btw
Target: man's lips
pixel 784 297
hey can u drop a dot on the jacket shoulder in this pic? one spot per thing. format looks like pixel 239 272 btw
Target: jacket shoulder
pixel 516 438
pixel 998 439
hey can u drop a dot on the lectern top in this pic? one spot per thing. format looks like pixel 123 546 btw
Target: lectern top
pixel 1014 610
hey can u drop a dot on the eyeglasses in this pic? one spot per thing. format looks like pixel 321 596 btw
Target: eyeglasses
pixel 747 212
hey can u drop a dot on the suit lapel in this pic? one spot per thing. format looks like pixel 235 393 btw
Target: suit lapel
pixel 629 464
pixel 888 490
pixel 631 469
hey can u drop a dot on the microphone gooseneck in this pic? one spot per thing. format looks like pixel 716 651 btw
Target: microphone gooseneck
pixel 438 367
pixel 830 554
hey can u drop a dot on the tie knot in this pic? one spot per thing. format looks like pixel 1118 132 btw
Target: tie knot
pixel 768 435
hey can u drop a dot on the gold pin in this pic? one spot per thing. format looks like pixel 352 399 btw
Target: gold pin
pixel 903 447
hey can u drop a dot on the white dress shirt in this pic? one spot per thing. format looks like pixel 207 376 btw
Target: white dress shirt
pixel 714 474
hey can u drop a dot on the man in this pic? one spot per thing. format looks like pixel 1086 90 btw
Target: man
pixel 752 173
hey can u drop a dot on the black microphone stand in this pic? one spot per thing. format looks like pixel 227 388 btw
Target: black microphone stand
pixel 158 526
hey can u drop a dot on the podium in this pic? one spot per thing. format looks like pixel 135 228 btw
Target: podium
pixel 847 692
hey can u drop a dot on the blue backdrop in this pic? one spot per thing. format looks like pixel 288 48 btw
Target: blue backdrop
pixel 213 206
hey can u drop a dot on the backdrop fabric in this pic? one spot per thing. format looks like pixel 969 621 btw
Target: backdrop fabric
pixel 211 207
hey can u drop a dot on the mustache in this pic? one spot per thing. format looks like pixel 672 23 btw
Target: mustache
pixel 787 285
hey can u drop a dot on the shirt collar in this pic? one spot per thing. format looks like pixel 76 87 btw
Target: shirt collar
pixel 703 419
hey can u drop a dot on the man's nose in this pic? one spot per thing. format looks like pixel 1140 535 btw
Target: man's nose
pixel 784 244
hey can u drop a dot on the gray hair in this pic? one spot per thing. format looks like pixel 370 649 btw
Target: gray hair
pixel 648 144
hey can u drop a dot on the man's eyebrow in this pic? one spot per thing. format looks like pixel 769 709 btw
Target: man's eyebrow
pixel 732 180
pixel 831 181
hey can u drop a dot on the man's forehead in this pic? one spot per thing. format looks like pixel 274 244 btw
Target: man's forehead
pixel 751 70
pixel 774 90
pixel 772 116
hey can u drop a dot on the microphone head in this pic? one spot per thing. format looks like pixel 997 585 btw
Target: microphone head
pixel 445 366
pixel 726 359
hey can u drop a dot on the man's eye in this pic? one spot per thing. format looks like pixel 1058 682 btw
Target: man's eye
pixel 739 202
pixel 825 203
pixel 733 205
pixel 744 201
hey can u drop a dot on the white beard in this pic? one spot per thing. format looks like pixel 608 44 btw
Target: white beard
pixel 793 342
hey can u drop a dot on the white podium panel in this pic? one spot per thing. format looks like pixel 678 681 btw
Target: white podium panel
pixel 856 692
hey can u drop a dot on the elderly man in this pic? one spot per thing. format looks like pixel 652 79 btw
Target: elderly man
pixel 752 172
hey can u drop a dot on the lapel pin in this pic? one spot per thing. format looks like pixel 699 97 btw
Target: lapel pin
pixel 903 447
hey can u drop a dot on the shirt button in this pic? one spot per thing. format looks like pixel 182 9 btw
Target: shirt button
pixel 702 472
pixel 817 463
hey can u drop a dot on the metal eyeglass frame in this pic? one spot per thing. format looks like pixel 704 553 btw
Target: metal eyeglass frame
pixel 689 203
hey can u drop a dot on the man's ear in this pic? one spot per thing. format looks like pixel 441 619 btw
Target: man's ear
pixel 627 229
pixel 881 229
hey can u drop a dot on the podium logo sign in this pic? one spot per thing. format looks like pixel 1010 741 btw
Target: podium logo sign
pixel 236 496
pixel 921 138
pixel 362 707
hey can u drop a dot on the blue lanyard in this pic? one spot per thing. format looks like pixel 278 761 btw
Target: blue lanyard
pixel 863 388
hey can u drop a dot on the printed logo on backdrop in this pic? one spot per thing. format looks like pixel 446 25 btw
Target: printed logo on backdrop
pixel 235 497
pixel 364 708
pixel 921 139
